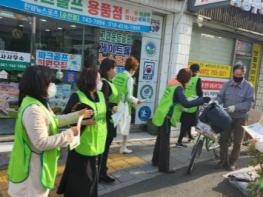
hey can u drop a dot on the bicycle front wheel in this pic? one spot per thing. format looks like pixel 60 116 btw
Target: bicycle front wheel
pixel 197 149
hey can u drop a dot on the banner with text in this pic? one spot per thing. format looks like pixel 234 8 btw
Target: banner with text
pixel 101 13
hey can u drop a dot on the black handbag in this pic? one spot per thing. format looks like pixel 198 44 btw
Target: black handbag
pixel 216 117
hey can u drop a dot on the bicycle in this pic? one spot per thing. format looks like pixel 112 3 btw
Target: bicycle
pixel 211 144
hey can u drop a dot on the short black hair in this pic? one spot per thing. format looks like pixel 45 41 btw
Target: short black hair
pixel 106 65
pixel 195 68
pixel 239 67
pixel 87 80
pixel 35 82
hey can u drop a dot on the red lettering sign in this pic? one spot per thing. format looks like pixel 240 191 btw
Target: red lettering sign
pixel 212 85
pixel 93 7
pixel 105 10
pixel 117 13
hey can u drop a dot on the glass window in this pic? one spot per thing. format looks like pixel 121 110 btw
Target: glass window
pixel 15 42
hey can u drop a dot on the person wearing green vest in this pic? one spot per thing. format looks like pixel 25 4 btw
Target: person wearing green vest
pixel 108 71
pixel 168 114
pixel 189 115
pixel 80 177
pixel 33 163
pixel 124 83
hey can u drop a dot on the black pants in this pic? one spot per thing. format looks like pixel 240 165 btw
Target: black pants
pixel 161 153
pixel 80 177
pixel 184 130
pixel 104 157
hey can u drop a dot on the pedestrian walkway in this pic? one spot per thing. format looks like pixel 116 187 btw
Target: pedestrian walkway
pixel 128 169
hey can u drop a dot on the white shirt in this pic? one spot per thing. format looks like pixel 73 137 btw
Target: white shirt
pixel 130 87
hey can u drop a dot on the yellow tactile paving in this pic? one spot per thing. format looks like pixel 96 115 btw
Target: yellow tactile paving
pixel 116 162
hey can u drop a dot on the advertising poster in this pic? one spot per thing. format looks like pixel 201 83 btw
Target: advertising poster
pixel 208 69
pixel 116 45
pixel 11 60
pixel 56 60
pixel 213 76
pixel 211 86
pixel 255 64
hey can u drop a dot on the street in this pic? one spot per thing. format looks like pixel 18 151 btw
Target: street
pixel 206 180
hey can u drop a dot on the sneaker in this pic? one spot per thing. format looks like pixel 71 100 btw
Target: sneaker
pixel 125 151
pixel 106 179
pixel 181 145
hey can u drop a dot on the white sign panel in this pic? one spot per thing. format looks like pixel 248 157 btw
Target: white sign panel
pixel 150 48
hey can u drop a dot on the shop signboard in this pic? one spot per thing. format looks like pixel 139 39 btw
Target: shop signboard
pixel 255 6
pixel 195 5
pixel 101 13
pixel 255 64
pixel 56 60
pixel 11 60
pixel 213 70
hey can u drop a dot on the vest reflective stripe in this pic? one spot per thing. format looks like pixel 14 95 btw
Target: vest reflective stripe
pixel 121 82
pixel 93 138
pixel 190 93
pixel 166 104
pixel 19 164
pixel 114 92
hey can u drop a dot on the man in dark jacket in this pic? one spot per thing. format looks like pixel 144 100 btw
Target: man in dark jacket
pixel 237 96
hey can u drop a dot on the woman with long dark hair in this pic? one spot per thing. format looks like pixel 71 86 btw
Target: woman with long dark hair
pixel 33 164
pixel 107 71
pixel 168 113
pixel 80 177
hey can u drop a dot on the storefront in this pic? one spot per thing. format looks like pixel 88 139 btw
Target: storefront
pixel 69 35
pixel 220 40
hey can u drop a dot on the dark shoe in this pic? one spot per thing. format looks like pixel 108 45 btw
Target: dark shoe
pixel 181 145
pixel 107 179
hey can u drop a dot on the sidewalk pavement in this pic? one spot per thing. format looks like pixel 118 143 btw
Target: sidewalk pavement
pixel 132 168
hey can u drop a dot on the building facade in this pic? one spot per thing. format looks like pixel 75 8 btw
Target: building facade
pixel 69 35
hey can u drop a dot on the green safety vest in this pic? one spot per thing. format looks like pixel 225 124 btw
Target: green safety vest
pixel 165 105
pixel 121 83
pixel 190 93
pixel 19 164
pixel 114 92
pixel 93 138
pixel 261 185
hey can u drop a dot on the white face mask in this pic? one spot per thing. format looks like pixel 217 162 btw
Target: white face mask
pixel 99 85
pixel 52 90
